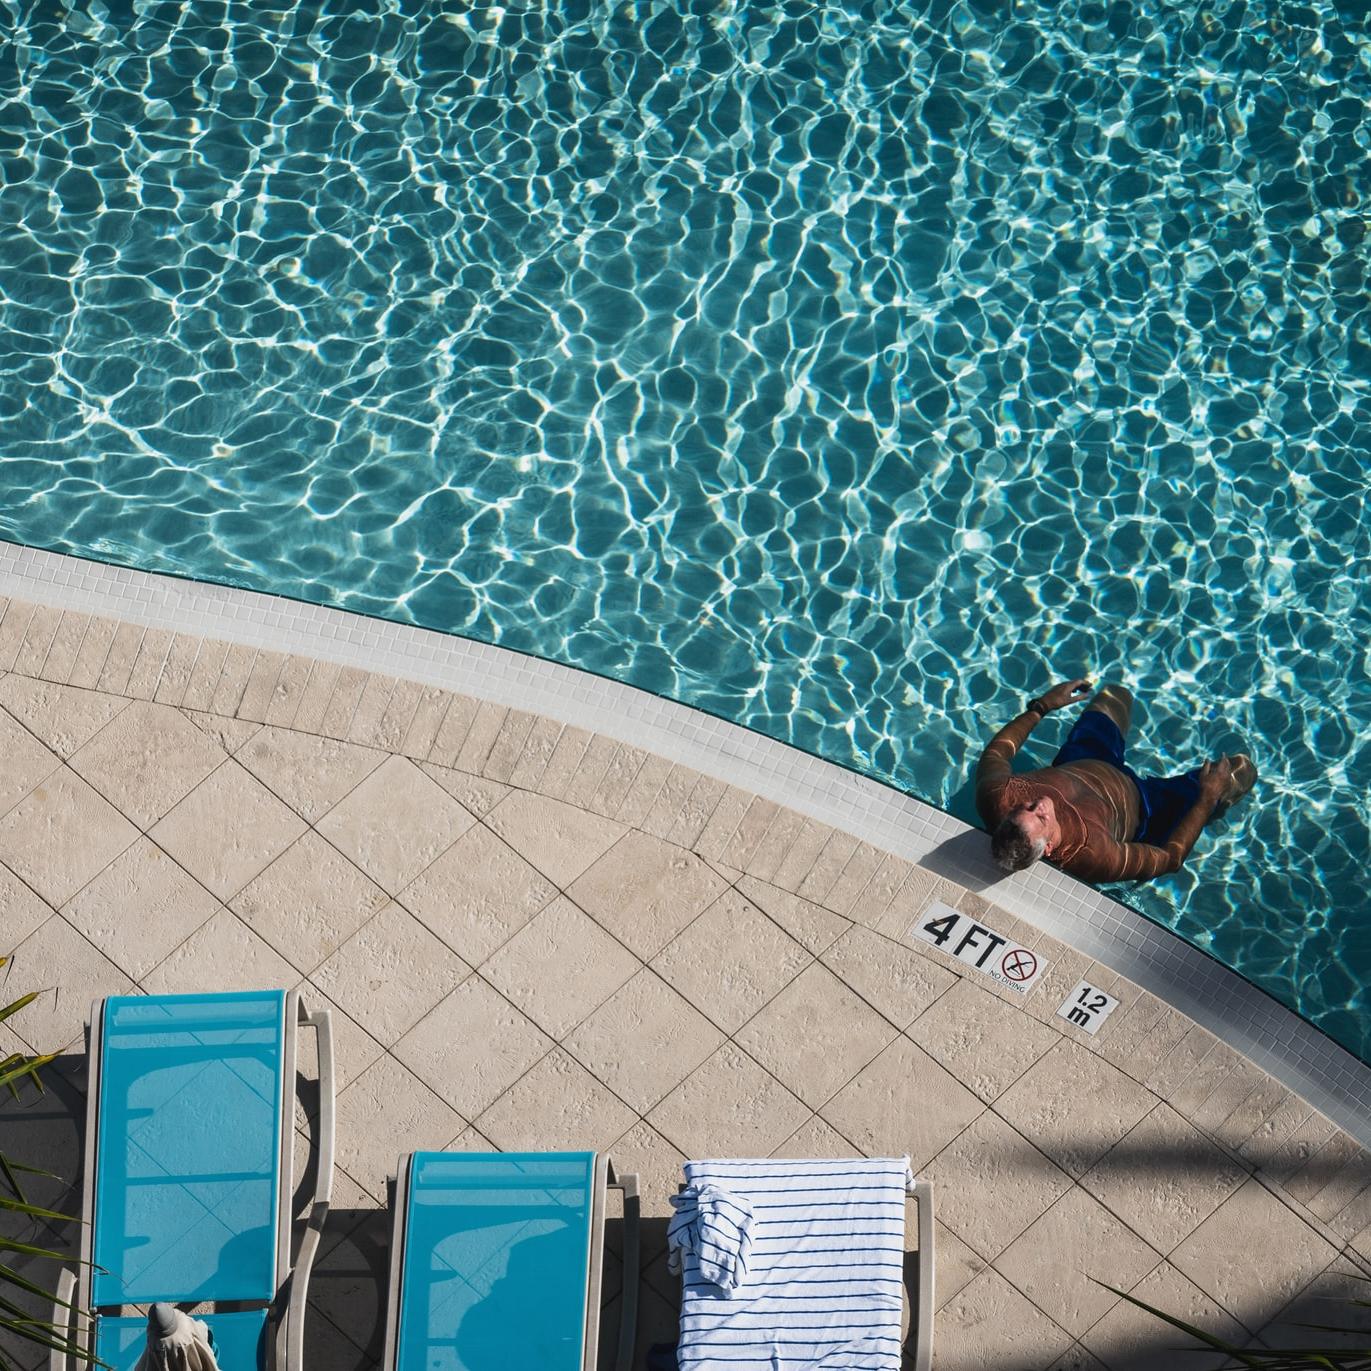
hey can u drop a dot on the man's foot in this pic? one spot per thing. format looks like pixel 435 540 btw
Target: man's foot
pixel 1242 777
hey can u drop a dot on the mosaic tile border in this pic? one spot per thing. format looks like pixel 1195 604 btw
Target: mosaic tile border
pixel 1274 1038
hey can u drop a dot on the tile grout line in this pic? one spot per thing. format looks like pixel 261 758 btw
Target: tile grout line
pixel 732 1037
pixel 1301 1070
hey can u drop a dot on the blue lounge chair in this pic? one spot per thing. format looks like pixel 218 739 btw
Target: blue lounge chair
pixel 799 1264
pixel 190 1127
pixel 496 1259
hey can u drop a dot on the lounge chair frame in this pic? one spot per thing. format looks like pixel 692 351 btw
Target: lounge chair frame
pixel 605 1178
pixel 285 1352
pixel 923 1315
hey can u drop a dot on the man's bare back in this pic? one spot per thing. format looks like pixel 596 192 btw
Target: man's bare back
pixel 1089 813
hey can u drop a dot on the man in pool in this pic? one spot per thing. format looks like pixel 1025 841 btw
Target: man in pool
pixel 1088 813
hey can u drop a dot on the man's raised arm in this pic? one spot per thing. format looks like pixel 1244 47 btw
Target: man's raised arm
pixel 1002 748
pixel 1000 751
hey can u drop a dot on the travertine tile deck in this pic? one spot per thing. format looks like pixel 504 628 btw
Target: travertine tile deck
pixel 535 937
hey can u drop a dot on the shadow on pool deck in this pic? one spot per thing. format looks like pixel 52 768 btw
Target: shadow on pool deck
pixel 346 1328
pixel 44 1131
pixel 965 859
pixel 604 948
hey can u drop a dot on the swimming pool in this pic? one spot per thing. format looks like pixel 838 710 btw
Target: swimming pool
pixel 849 371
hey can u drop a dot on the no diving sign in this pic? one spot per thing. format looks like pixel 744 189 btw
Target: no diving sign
pixel 960 936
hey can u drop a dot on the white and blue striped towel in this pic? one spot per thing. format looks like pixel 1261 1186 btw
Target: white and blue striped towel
pixel 824 1281
pixel 713 1228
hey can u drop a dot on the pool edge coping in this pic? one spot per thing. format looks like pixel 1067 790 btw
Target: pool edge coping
pixel 1286 1046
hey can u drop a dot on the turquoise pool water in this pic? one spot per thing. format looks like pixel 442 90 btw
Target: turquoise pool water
pixel 848 370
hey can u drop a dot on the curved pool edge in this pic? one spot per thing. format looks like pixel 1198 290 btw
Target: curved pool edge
pixel 1290 1049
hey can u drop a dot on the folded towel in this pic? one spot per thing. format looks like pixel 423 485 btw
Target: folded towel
pixel 714 1227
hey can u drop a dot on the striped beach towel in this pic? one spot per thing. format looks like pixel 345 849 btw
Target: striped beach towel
pixel 824 1282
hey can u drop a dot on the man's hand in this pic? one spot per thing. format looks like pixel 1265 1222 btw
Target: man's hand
pixel 1214 779
pixel 1062 695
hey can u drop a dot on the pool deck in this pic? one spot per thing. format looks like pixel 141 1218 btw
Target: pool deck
pixel 535 935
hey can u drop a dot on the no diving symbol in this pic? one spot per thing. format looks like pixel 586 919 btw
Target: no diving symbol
pixel 1019 964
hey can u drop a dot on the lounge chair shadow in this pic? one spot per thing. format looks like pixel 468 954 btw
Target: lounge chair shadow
pixel 909 1342
pixel 495 1322
pixel 659 1302
pixel 45 1131
pixel 345 1325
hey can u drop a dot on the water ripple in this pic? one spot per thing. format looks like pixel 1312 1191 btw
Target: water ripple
pixel 848 370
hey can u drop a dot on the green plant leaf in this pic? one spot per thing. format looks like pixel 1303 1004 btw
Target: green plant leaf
pixel 26 1329
pixel 1339 1328
pixel 15 1068
pixel 33 1170
pixel 29 1066
pixel 1361 1360
pixel 1273 1359
pixel 9 1168
pixel 23 1316
pixel 9 1245
pixel 19 1207
pixel 1217 1344
pixel 18 1004
pixel 12 1277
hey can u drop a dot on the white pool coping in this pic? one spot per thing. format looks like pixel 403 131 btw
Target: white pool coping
pixel 1279 1041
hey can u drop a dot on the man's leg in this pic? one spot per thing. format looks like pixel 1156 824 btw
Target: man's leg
pixel 1116 701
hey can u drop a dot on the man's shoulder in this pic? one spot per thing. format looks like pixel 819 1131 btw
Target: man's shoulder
pixel 1103 859
pixel 997 795
pixel 1026 782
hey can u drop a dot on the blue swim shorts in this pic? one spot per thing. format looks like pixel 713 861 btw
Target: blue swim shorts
pixel 1165 799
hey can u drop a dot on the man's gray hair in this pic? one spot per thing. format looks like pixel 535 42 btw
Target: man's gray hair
pixel 1012 848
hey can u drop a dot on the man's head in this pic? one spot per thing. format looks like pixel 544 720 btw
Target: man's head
pixel 1026 833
